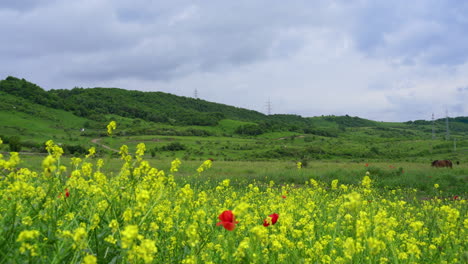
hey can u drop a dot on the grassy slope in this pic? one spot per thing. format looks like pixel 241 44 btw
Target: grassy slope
pixel 36 123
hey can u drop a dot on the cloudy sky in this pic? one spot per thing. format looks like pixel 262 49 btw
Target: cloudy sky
pixel 382 60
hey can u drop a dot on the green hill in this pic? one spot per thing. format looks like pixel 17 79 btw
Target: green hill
pixel 74 117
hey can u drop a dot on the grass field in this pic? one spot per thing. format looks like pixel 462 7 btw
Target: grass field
pixel 388 174
pixel 139 209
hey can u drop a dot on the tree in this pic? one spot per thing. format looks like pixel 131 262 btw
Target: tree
pixel 15 144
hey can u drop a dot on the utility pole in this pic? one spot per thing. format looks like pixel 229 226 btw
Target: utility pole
pixel 454 145
pixel 433 134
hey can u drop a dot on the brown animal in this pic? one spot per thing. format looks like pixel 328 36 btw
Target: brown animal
pixel 442 163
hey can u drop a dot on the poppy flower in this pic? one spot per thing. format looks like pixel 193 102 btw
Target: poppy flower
pixel 227 220
pixel 274 217
pixel 67 194
pixel 455 197
pixel 367 165
pixel 283 196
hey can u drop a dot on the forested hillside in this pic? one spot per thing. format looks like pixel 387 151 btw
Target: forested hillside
pixel 94 103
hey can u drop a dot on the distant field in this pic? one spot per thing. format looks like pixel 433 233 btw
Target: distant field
pixel 418 175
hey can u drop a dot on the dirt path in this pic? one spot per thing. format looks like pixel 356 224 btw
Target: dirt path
pixel 283 138
pixel 96 141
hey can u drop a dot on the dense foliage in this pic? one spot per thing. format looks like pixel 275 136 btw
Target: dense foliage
pixel 93 103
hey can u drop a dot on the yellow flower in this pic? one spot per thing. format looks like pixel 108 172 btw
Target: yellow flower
pixel 299 165
pixel 436 186
pixel 205 165
pixel 92 151
pixel 175 164
pixel 90 259
pixel 128 215
pixel 141 148
pixel 366 182
pixel 114 225
pixel 27 235
pixel 27 221
pixel 146 250
pixel 111 127
pixel 79 238
pixel 129 234
pixel 110 239
pixel 123 151
pixel 334 184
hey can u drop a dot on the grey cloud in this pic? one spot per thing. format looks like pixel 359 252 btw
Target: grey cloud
pixel 432 32
pixel 208 35
pixel 462 89
pixel 23 5
pixel 302 43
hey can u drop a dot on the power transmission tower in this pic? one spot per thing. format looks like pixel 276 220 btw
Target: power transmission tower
pixel 447 135
pixel 433 126
pixel 195 93
pixel 268 106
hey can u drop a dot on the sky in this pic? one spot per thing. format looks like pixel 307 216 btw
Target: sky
pixel 377 59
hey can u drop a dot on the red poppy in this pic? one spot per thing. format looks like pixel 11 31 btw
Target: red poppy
pixel 283 196
pixel 227 220
pixel 455 197
pixel 274 218
pixel 367 165
pixel 67 194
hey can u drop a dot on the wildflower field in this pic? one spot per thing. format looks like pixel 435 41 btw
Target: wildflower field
pixel 77 212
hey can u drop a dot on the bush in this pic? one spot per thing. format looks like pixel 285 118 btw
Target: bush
pixel 175 146
pixel 15 144
pixel 249 129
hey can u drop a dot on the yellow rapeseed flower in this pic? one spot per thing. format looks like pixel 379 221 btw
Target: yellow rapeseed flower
pixel 366 182
pixel 111 127
pixel 114 225
pixel 299 165
pixel 334 184
pixel 27 235
pixel 79 238
pixel 175 164
pixel 205 165
pixel 92 151
pixel 90 259
pixel 129 234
